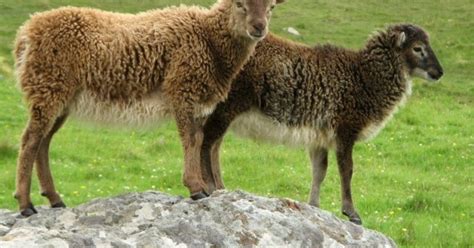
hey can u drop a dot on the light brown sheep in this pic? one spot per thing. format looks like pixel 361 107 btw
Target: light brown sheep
pixel 322 98
pixel 129 69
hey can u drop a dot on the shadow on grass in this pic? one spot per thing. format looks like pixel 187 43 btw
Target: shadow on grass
pixel 422 203
pixel 7 150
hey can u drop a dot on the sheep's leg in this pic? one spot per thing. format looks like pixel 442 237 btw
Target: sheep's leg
pixel 206 168
pixel 319 160
pixel 345 164
pixel 215 165
pixel 40 122
pixel 210 166
pixel 214 131
pixel 47 96
pixel 191 134
pixel 42 166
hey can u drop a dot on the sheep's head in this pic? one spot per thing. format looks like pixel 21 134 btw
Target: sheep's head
pixel 251 17
pixel 417 53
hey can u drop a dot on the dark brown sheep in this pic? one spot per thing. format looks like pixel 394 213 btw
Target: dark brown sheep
pixel 322 97
pixel 129 69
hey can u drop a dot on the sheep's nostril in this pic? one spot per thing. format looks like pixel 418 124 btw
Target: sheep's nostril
pixel 259 27
pixel 436 74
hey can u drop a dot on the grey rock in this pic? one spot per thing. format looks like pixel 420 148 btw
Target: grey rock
pixel 292 31
pixel 153 219
pixel 4 230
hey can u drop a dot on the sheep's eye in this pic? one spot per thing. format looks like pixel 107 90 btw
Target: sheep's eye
pixel 417 49
pixel 272 7
pixel 239 4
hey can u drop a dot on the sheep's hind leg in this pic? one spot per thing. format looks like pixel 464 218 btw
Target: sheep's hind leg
pixel 191 134
pixel 42 166
pixel 319 161
pixel 41 121
pixel 345 164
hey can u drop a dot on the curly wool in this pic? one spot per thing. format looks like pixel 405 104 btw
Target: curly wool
pixel 322 98
pixel 128 69
pixel 299 95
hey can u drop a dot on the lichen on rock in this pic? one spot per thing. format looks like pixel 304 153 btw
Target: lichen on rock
pixel 154 219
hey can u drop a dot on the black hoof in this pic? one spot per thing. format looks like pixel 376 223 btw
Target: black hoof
pixel 29 211
pixel 354 218
pixel 200 195
pixel 59 205
pixel 356 221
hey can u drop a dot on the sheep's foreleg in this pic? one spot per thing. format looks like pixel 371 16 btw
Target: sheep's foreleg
pixel 214 131
pixel 319 161
pixel 42 166
pixel 191 134
pixel 345 164
pixel 215 165
pixel 210 167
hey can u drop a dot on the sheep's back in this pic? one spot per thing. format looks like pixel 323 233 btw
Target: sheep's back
pixel 117 57
pixel 300 93
pixel 114 62
pixel 303 86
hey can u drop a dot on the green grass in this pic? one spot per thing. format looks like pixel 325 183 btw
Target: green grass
pixel 414 182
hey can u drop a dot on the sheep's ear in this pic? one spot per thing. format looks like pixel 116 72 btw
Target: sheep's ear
pixel 280 1
pixel 401 39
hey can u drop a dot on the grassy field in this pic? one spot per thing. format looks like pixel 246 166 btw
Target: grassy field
pixel 414 182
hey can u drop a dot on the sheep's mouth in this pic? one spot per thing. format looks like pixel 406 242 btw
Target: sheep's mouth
pixel 428 76
pixel 435 76
pixel 256 37
pixel 432 78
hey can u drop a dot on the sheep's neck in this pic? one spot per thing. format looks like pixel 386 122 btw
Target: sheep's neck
pixel 384 79
pixel 230 49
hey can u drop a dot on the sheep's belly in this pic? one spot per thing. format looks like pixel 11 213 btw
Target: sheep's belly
pixel 138 114
pixel 370 131
pixel 146 113
pixel 258 126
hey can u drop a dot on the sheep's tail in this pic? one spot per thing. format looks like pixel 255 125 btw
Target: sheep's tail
pixel 20 51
